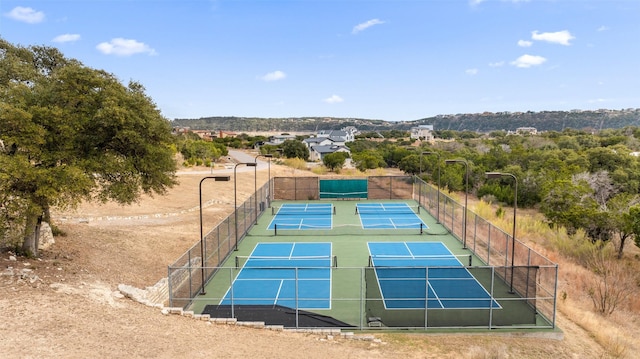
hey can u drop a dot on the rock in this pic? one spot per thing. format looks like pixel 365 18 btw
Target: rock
pixel 46 236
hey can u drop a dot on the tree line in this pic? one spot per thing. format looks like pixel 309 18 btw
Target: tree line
pixel 588 120
pixel 579 180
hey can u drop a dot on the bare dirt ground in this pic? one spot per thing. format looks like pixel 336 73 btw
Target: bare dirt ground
pixel 66 303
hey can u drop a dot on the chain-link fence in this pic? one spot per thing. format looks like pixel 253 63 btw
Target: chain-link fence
pixel 308 188
pixel 188 274
pixel 522 281
pixel 357 301
pixel 527 272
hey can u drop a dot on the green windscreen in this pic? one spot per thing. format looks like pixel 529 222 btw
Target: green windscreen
pixel 343 188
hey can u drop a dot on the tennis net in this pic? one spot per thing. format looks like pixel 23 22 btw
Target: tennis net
pixel 276 262
pixel 382 260
pixel 301 229
pixel 297 210
pixel 387 209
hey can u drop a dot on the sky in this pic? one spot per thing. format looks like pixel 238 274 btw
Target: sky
pixel 393 60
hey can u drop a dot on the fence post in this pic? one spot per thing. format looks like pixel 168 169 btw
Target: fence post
pixel 493 276
pixel 169 287
pixel 426 297
pixel 189 270
pixel 362 298
pixel 489 245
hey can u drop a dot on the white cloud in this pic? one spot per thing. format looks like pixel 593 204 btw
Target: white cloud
pixel 124 47
pixel 559 37
pixel 366 25
pixel 603 28
pixel 526 61
pixel 496 64
pixel 524 43
pixel 274 76
pixel 26 14
pixel 471 72
pixel 333 99
pixel 66 38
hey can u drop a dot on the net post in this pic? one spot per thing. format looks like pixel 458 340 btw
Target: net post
pixel 273 211
pixel 470 260
pixel 335 261
pixel 334 209
pixel 356 209
pixel 418 209
pixel 421 225
pixel 370 261
pixel 275 229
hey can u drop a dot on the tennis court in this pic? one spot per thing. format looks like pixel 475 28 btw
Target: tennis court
pixel 389 216
pixel 303 216
pixel 404 278
pixel 295 275
pixel 411 274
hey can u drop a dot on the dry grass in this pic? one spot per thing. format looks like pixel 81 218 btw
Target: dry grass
pixel 134 247
pixel 596 291
pixel 295 163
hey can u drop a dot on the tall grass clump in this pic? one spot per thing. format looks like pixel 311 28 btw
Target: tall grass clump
pixel 295 163
pixel 321 170
pixel 352 172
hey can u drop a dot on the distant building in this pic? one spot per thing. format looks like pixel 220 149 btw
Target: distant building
pixel 317 153
pixel 339 135
pixel 180 130
pixel 206 135
pixel 330 141
pixel 279 139
pixel 526 130
pixel 424 132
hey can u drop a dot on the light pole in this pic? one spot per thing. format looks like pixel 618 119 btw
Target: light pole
pixel 438 159
pixel 202 250
pixel 235 197
pixel 515 209
pixel 255 181
pixel 466 193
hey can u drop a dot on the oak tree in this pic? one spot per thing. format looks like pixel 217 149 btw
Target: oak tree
pixel 71 133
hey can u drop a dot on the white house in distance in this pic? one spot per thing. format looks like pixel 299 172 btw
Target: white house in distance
pixel 424 132
pixel 329 141
pixel 279 139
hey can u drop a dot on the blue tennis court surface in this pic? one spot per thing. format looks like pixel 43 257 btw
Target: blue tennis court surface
pixel 388 216
pixel 300 216
pixel 412 273
pixel 294 275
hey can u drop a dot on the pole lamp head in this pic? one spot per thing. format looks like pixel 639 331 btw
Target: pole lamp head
pixel 494 174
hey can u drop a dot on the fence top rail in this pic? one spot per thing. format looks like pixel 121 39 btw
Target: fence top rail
pixel 369 268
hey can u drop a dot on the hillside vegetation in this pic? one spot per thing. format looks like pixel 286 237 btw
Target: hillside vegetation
pixel 481 122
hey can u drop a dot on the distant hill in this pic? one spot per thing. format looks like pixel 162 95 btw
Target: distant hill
pixel 478 122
